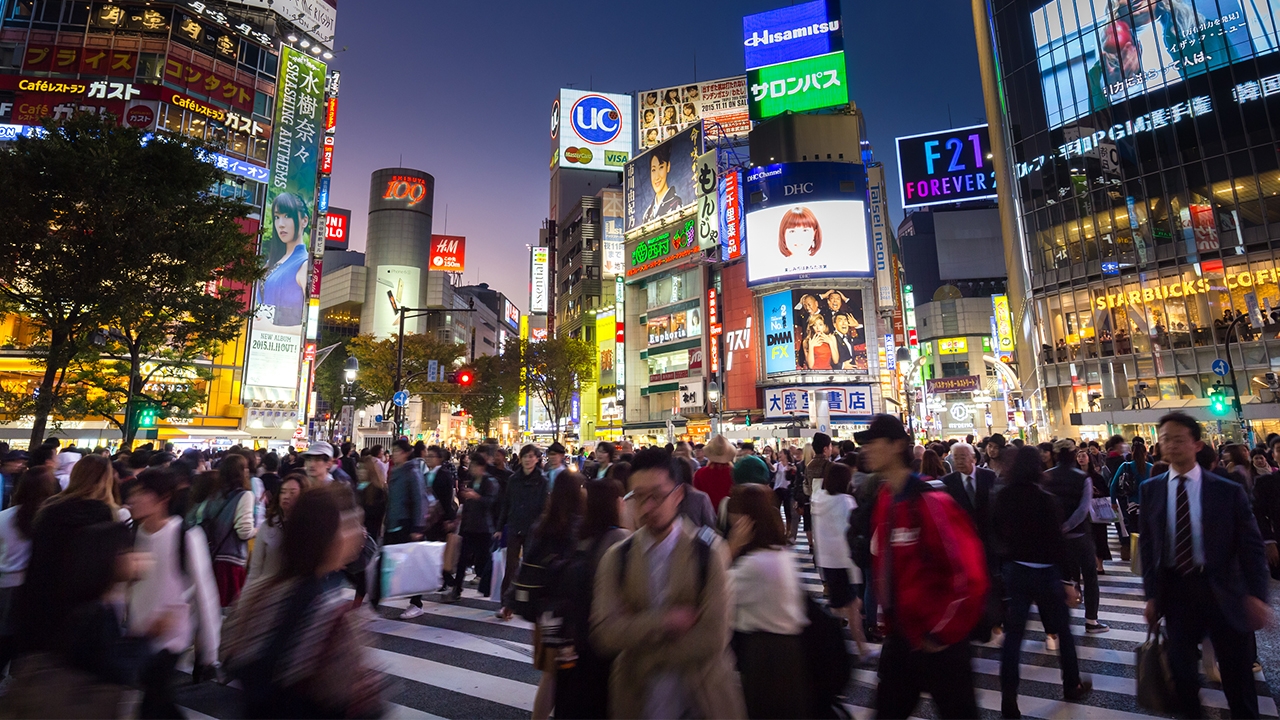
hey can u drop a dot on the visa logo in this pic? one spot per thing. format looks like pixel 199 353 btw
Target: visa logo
pixel 616 158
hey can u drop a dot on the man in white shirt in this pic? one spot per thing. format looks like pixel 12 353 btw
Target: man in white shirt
pixel 181 575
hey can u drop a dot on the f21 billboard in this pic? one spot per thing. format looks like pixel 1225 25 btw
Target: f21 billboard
pixel 945 167
pixel 807 220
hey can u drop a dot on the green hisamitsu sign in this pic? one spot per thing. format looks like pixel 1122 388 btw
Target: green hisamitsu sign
pixel 808 84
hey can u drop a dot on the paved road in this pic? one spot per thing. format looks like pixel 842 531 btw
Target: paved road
pixel 459 661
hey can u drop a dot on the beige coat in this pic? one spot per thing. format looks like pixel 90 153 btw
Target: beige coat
pixel 623 623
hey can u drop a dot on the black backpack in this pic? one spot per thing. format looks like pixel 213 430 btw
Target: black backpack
pixel 829 661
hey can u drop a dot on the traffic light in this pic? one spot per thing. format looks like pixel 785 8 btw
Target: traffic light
pixel 146 415
pixel 464 377
pixel 1218 400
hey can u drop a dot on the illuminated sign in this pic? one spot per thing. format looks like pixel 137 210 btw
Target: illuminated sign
pixel 512 313
pixel 731 239
pixel 449 253
pixel 676 326
pixel 538 281
pixel 809 222
pixel 412 190
pixel 1004 323
pixel 331 115
pixel 666 247
pixel 946 167
pixel 963 383
pixel 1185 288
pixel 660 183
pixel 338 228
pixel 591 130
pixel 842 400
pixel 667 111
pixel 779 338
pixel 538 334
pixel 797 86
pixel 713 324
pixel 791 33
pixel 953 346
pixel 326 155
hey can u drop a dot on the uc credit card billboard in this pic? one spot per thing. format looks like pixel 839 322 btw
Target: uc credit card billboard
pixel 591 130
pixel 946 167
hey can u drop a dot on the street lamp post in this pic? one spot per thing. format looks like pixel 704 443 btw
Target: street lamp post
pixel 713 395
pixel 407 313
pixel 1231 372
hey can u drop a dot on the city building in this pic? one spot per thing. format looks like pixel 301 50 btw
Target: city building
pixel 1148 195
pixel 186 67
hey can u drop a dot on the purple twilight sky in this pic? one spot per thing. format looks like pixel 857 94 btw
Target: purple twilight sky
pixel 463 90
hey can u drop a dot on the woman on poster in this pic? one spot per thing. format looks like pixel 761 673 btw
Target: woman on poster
pixel 286 281
pixel 820 347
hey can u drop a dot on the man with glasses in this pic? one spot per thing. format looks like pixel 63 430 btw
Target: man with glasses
pixel 662 605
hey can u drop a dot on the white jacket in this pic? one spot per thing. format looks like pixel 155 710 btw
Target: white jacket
pixel 193 596
pixel 830 523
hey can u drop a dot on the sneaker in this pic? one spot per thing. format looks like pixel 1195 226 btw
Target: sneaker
pixel 1079 692
pixel 451 596
pixel 1095 627
pixel 412 612
pixel 1051 643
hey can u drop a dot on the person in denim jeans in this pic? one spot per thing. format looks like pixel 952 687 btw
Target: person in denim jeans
pixel 1026 526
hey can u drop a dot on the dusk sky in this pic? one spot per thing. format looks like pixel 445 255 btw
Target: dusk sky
pixel 463 90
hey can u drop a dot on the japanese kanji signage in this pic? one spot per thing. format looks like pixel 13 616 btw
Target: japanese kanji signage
pixel 721 103
pixel 448 253
pixel 809 84
pixel 188 75
pixel 673 243
pixel 731 239
pixel 844 401
pixel 276 335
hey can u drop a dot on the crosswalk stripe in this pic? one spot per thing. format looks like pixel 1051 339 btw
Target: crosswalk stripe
pixel 453 639
pixel 400 712
pixel 476 684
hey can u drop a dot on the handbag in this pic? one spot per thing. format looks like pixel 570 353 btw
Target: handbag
pixel 499 565
pixel 411 568
pixel 1101 511
pixel 1156 691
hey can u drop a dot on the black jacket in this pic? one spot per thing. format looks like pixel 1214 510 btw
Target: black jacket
pixel 525 498
pixel 1026 525
pixel 1068 484
pixel 443 487
pixel 477 514
pixel 984 492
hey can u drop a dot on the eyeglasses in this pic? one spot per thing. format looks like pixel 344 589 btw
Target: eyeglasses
pixel 643 499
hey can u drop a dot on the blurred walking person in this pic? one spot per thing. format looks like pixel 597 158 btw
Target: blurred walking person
pixel 227 520
pixel 527 492
pixel 32 488
pixel 833 504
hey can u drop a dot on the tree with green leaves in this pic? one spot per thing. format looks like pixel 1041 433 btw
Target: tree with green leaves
pixel 331 384
pixel 555 369
pixel 378 367
pixel 495 393
pixel 104 231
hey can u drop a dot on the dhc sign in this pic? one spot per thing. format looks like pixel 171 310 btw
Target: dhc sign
pixel 792 33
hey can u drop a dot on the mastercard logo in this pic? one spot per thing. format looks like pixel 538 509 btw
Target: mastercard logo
pixel 578 155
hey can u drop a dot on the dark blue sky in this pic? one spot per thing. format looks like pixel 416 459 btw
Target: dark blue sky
pixel 463 89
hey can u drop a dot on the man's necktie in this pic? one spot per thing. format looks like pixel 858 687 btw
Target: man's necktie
pixel 1184 560
pixel 973 493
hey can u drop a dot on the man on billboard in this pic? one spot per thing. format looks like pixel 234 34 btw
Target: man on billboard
pixel 853 349
pixel 665 199
pixel 283 291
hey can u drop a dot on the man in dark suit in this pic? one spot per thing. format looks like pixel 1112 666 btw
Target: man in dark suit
pixel 973 488
pixel 1204 569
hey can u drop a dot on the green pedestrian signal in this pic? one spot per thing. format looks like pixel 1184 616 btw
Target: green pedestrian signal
pixel 147 415
pixel 1218 400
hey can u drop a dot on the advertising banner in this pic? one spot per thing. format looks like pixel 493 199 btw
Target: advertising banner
pixel 403 282
pixel 511 313
pixel 538 280
pixel 322 15
pixel 338 231
pixel 591 131
pixel 828 330
pixel 843 401
pixel 964 383
pixel 448 253
pixel 731 240
pixel 1004 324
pixel 792 33
pixel 673 326
pixel 779 338
pixel 660 182
pixel 614 242
pixel 676 242
pixel 797 86
pixel 721 103
pixel 877 197
pixel 1097 53
pixel 288 221
pixel 946 167
pixel 810 222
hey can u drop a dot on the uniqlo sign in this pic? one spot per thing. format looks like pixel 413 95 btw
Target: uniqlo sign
pixel 337 229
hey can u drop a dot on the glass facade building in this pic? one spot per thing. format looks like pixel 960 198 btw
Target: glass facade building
pixel 1144 136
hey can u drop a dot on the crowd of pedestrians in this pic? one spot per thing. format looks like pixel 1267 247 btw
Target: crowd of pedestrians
pixel 661 582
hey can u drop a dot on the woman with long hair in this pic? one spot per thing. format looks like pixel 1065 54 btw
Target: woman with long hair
pixel 833 503
pixel 1101 489
pixel 268 545
pixel 1124 490
pixel 769 610
pixel 582 689
pixel 371 491
pixel 227 519
pixel 16 524
pixel 282 290
pixel 554 539
pixel 820 347
pixel 931 466
pixel 293 641
pixel 41 604
pixel 1026 523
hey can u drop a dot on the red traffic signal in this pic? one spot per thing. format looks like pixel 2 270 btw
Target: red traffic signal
pixel 465 378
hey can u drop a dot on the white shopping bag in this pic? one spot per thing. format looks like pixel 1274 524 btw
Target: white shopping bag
pixel 499 570
pixel 411 568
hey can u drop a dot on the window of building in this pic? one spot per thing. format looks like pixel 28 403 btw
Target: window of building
pixel 954 368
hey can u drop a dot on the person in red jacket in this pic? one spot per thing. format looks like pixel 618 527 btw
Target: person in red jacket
pixel 930 577
pixel 716 479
